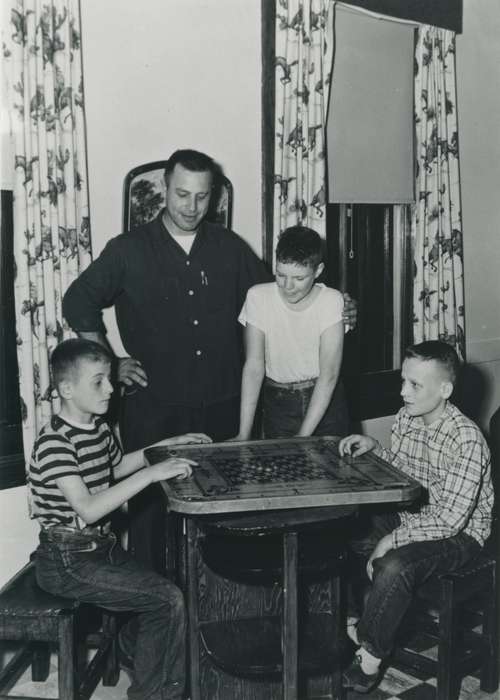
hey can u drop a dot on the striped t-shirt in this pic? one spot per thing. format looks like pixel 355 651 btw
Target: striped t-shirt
pixel 62 449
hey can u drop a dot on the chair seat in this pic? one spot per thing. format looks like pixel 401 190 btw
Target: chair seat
pixel 251 549
pixel 260 558
pixel 475 576
pixel 41 620
pixel 252 647
pixel 23 596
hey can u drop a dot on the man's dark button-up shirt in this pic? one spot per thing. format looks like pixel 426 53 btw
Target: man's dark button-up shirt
pixel 176 313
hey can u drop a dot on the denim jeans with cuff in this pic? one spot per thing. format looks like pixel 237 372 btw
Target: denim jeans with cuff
pixel 93 568
pixel 397 575
pixel 284 407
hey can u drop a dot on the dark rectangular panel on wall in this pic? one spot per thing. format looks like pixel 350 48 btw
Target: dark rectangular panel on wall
pixel 440 13
pixel 11 445
pixel 268 91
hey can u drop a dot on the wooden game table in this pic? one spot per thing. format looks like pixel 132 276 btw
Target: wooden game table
pixel 255 486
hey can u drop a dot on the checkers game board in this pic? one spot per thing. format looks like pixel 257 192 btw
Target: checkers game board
pixel 285 473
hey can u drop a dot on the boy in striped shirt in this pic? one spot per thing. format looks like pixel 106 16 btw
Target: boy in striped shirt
pixel 77 477
pixel 433 442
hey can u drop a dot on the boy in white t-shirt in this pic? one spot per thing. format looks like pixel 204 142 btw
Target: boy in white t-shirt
pixel 294 336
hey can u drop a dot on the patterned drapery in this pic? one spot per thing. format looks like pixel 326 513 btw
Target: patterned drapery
pixel 438 300
pixel 42 55
pixel 304 54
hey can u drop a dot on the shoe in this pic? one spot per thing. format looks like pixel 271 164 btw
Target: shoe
pixel 355 678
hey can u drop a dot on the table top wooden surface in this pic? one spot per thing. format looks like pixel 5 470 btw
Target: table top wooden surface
pixel 257 475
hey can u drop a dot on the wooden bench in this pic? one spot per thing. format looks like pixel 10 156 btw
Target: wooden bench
pixel 41 621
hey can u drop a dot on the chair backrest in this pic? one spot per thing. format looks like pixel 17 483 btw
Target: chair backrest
pixel 144 196
pixel 494 443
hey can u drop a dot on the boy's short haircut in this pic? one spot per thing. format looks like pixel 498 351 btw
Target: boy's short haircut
pixel 195 161
pixel 437 350
pixel 68 354
pixel 300 245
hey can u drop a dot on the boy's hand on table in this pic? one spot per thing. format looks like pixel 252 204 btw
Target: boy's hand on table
pixel 186 439
pixel 383 546
pixel 172 468
pixel 356 445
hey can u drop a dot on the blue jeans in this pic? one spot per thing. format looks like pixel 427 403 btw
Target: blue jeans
pixel 93 568
pixel 285 405
pixel 397 575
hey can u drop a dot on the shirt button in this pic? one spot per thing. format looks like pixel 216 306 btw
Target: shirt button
pixel 190 292
pixel 198 352
pixel 188 263
pixel 195 322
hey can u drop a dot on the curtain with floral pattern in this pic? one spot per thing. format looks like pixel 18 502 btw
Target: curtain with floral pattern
pixel 304 54
pixel 438 302
pixel 42 55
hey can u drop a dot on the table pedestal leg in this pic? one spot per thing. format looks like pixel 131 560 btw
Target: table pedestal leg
pixel 290 618
pixel 192 610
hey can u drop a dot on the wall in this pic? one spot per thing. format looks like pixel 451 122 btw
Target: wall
pixel 143 105
pixel 160 76
pixel 166 75
pixel 478 75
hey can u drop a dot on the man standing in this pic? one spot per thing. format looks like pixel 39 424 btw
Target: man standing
pixel 177 285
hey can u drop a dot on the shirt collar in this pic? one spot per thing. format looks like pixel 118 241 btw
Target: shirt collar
pixel 199 238
pixel 417 422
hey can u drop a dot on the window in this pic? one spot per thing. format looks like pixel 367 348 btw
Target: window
pixel 370 125
pixel 368 244
pixel 11 444
pixel 370 136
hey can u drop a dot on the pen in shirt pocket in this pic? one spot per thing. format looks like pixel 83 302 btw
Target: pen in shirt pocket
pixel 204 278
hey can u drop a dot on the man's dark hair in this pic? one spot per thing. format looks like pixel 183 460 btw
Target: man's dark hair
pixel 67 355
pixel 195 161
pixel 300 245
pixel 439 351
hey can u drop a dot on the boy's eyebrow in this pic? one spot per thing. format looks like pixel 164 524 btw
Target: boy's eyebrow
pixel 182 189
pixel 101 374
pixel 410 379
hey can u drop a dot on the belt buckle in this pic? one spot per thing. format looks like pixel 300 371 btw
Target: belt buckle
pixel 103 530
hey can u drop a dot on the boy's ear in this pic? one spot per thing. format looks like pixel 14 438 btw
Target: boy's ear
pixel 319 270
pixel 446 389
pixel 65 389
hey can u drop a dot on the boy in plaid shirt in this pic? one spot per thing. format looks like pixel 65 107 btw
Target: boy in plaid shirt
pixel 433 442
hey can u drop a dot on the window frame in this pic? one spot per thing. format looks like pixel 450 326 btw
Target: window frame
pixel 373 393
pixel 12 463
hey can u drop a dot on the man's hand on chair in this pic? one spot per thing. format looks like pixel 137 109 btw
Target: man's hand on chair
pixel 350 313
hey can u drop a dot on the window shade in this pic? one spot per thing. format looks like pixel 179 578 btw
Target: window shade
pixel 370 120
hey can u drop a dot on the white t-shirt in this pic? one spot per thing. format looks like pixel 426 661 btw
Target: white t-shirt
pixel 292 337
pixel 185 241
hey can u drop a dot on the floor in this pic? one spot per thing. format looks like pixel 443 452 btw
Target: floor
pixel 396 684
pixel 48 689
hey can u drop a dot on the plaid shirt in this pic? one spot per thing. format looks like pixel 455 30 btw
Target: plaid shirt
pixel 451 459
